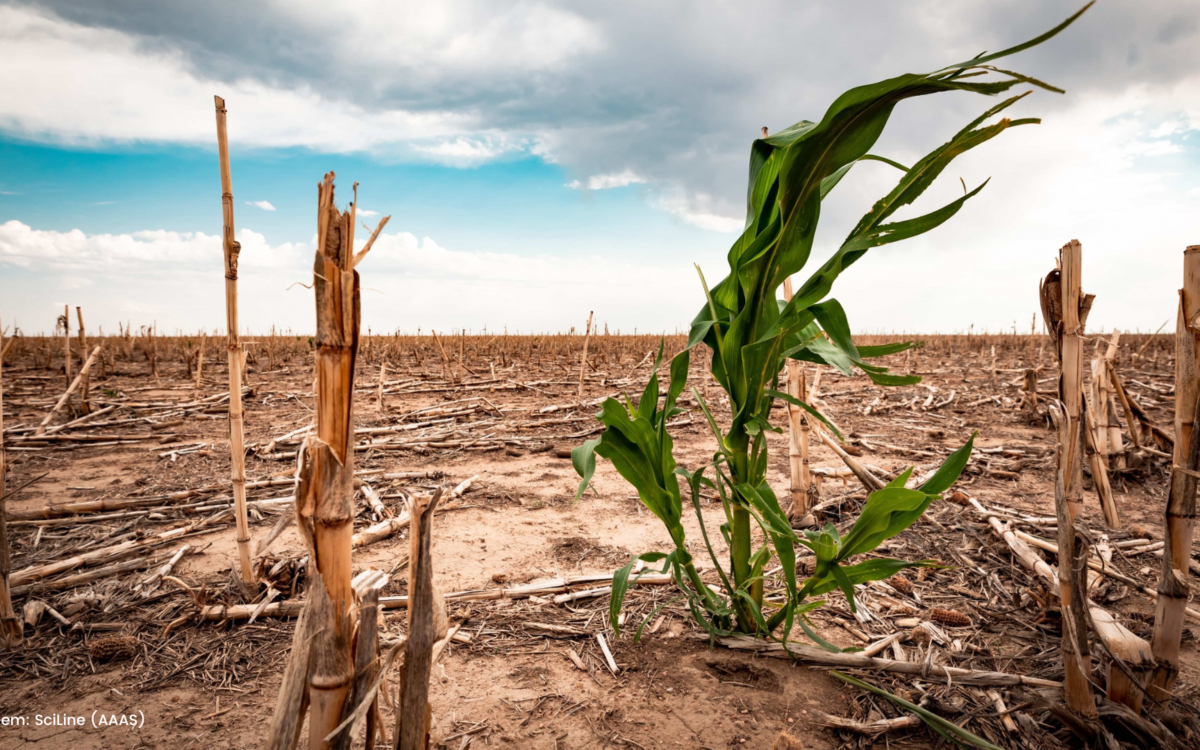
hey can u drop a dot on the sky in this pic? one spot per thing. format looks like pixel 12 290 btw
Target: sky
pixel 542 160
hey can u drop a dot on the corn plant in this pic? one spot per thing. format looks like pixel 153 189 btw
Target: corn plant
pixel 752 332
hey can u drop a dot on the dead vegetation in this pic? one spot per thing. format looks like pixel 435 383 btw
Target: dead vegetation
pixel 120 529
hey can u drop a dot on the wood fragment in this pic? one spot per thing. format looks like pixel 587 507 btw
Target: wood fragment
pixel 808 654
pixel 608 657
pixel 413 714
pixel 872 728
pixel 41 429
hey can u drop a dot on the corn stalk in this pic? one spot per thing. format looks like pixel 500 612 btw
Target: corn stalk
pixel 11 631
pixel 752 333
pixel 321 671
pixel 1180 517
pixel 237 438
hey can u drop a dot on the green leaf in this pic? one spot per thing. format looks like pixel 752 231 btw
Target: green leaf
pixel 948 473
pixel 832 318
pixel 875 569
pixel 882 350
pixel 943 727
pixel 637 636
pixel 583 458
pixel 811 632
pixel 620 585
pixel 886 513
pixel 1023 45
pixel 754 609
pixel 844 583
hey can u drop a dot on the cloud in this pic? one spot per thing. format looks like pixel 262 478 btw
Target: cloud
pixel 80 85
pixel 602 89
pixel 366 213
pixel 463 151
pixel 628 88
pixel 406 284
pixel 155 251
pixel 264 205
pixel 697 210
pixel 608 181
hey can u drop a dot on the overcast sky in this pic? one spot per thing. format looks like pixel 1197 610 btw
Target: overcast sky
pixel 540 160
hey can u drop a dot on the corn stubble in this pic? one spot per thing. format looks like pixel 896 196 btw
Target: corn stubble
pixel 1180 517
pixel 321 668
pixel 11 630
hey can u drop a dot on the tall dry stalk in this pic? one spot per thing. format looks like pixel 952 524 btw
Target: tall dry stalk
pixel 801 484
pixel 82 336
pixel 66 326
pixel 1180 517
pixel 1063 306
pixel 10 625
pixel 324 498
pixel 200 361
pixel 1108 424
pixel 237 439
pixel 587 335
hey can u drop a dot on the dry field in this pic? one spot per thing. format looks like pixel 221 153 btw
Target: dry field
pixel 143 472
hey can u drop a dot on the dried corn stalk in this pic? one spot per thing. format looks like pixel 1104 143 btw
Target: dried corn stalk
pixel 10 624
pixel 1065 307
pixel 237 438
pixel 324 497
pixel 1173 585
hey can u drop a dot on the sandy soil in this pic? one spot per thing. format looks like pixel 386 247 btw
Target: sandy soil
pixel 212 685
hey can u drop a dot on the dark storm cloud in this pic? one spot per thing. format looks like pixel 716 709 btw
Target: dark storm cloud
pixel 672 91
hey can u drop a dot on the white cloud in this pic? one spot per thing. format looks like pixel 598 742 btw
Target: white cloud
pixel 697 211
pixel 364 212
pixel 463 82
pixel 479 38
pixel 1152 148
pixel 465 151
pixel 79 85
pixel 608 181
pixel 1170 127
pixel 264 205
pixel 406 283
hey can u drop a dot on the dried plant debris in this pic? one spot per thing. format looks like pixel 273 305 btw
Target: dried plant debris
pixel 101 504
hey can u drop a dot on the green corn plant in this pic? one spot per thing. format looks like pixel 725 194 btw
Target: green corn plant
pixel 752 332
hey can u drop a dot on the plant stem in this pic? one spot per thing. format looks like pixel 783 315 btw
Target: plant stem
pixel 237 449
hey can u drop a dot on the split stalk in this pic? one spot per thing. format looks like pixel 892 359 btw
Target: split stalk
pixel 1173 584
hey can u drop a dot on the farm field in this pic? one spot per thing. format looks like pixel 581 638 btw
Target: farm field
pixel 134 476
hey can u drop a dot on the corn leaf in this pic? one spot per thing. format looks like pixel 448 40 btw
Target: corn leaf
pixel 943 727
pixel 948 473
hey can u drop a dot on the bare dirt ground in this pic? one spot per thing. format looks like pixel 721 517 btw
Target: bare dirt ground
pixel 501 418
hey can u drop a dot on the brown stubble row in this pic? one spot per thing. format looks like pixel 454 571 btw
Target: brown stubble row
pixel 417 354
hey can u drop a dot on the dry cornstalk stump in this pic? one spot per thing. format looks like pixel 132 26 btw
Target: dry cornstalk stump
pixel 1180 515
pixel 11 629
pixel 1065 310
pixel 321 675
